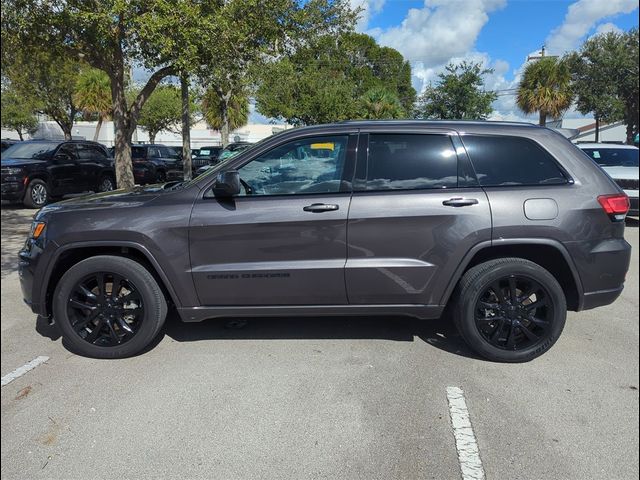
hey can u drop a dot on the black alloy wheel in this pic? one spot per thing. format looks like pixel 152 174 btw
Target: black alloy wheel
pixel 514 313
pixel 105 309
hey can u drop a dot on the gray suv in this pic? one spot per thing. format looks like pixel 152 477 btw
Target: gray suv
pixel 505 225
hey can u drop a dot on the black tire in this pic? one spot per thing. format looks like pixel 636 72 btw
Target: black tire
pixel 37 194
pixel 147 323
pixel 106 184
pixel 503 330
pixel 161 176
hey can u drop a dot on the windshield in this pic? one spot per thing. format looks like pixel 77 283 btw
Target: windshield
pixel 30 150
pixel 614 157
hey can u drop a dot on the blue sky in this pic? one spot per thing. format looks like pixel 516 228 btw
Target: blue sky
pixel 498 33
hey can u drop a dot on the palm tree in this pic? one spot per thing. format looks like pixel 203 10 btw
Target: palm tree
pixel 545 88
pixel 93 95
pixel 379 103
pixel 237 111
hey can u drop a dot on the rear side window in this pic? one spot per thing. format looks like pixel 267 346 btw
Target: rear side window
pixel 87 152
pixel 504 161
pixel 407 162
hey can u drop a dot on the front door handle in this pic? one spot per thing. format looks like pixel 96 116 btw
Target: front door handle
pixel 460 202
pixel 320 207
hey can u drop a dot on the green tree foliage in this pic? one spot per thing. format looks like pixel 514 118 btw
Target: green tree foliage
pixel 325 80
pixel 93 95
pixel 47 81
pixel 18 113
pixel 459 94
pixel 162 111
pixel 379 103
pixel 593 71
pixel 627 81
pixel 238 109
pixel 545 88
pixel 167 37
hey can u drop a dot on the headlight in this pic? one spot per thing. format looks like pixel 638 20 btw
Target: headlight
pixel 12 170
pixel 36 229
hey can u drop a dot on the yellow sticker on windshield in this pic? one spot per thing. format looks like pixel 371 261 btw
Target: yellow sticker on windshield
pixel 323 146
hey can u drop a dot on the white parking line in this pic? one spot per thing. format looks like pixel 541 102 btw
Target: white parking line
pixel 18 372
pixel 468 453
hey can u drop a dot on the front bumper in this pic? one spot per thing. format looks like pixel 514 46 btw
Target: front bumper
pixel 32 263
pixel 12 190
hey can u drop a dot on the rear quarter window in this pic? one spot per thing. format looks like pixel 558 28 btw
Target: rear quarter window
pixel 508 160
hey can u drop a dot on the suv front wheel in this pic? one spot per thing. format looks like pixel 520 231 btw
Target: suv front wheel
pixel 37 194
pixel 109 307
pixel 510 309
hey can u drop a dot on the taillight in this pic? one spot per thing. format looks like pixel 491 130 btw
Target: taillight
pixel 616 206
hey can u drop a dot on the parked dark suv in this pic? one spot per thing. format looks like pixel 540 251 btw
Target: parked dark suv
pixel 36 171
pixel 159 162
pixel 506 225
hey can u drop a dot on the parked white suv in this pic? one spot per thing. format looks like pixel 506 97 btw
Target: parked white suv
pixel 621 163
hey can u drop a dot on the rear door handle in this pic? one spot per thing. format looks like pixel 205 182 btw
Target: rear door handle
pixel 460 202
pixel 320 207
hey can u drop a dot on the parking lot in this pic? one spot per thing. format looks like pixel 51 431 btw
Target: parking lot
pixel 343 398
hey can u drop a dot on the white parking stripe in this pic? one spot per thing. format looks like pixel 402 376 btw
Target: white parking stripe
pixel 468 453
pixel 18 372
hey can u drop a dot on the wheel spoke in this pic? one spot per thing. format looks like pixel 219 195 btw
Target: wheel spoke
pixel 82 305
pixel 539 322
pixel 495 335
pixel 112 333
pixel 87 293
pixel 537 304
pixel 124 325
pixel 116 286
pixel 528 333
pixel 513 293
pixel 488 305
pixel 497 289
pixel 100 282
pixel 511 338
pixel 93 336
pixel 80 324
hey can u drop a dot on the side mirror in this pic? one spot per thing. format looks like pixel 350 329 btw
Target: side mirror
pixel 227 184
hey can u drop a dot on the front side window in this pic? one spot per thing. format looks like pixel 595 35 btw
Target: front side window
pixel 411 161
pixel 310 165
pixel 505 161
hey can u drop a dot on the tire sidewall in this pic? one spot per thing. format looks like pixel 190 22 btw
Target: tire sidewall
pixel 102 181
pixel 154 313
pixel 466 312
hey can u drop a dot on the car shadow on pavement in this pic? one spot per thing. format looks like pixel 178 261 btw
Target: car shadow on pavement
pixel 16 222
pixel 439 333
pixel 632 222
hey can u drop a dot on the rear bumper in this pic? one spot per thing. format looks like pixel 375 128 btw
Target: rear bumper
pixel 602 269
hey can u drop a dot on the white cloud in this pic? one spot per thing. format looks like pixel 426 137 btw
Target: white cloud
pixel 368 9
pixel 581 17
pixel 606 28
pixel 440 30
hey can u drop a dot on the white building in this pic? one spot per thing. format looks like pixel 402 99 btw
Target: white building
pixel 201 135
pixel 614 132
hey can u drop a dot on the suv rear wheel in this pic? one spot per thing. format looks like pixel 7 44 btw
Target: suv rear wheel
pixel 106 184
pixel 510 309
pixel 37 194
pixel 109 307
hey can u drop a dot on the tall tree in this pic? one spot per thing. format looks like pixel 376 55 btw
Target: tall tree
pixel 237 109
pixel 47 81
pixel 593 71
pixel 167 37
pixel 545 88
pixel 18 113
pixel 458 94
pixel 379 103
pixel 324 80
pixel 93 95
pixel 163 111
pixel 627 81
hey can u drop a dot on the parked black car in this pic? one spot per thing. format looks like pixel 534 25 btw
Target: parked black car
pixel 225 154
pixel 37 171
pixel 205 156
pixel 159 162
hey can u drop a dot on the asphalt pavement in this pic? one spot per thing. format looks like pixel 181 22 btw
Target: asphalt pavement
pixel 316 398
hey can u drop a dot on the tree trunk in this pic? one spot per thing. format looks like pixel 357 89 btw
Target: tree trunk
pixel 543 118
pixel 224 114
pixel 19 134
pixel 152 137
pixel 186 127
pixel 96 135
pixel 597 129
pixel 123 132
